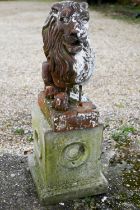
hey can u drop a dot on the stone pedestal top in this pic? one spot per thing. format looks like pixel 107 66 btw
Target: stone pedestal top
pixel 78 116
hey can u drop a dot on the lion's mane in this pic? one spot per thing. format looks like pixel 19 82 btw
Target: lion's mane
pixel 60 61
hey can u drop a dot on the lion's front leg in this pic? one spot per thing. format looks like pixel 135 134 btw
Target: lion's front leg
pixel 49 88
pixel 51 91
pixel 46 74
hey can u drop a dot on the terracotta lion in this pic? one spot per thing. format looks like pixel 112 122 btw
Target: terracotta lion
pixel 66 46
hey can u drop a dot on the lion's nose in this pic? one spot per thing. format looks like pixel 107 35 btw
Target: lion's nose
pixel 78 34
pixel 74 34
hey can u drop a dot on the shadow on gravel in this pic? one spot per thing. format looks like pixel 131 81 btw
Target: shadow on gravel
pixel 17 191
pixel 16 186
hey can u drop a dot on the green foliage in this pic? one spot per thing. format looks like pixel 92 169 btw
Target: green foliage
pixel 122 134
pixel 124 2
pixel 128 129
pixel 88 201
pixel 119 11
pixel 19 131
pixel 30 138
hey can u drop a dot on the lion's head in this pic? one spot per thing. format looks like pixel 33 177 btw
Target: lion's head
pixel 64 36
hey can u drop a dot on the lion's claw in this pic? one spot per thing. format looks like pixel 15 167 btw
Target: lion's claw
pixel 60 102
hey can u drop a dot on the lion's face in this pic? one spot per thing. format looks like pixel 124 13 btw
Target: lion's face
pixel 72 20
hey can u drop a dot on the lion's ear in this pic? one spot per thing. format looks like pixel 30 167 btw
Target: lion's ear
pixel 56 7
pixel 84 5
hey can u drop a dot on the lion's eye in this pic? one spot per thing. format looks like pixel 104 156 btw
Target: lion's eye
pixel 64 19
pixel 54 10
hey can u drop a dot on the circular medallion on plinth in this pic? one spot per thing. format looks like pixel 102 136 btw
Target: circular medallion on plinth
pixel 73 155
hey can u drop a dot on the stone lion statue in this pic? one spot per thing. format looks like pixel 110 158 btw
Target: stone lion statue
pixel 69 57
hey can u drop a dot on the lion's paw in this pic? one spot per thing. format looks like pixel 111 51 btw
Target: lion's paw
pixel 60 102
pixel 50 91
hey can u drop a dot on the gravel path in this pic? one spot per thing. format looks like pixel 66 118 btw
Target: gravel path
pixel 115 86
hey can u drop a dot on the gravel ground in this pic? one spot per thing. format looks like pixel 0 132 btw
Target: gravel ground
pixel 114 88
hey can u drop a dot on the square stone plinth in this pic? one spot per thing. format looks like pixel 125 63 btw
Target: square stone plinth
pixel 65 165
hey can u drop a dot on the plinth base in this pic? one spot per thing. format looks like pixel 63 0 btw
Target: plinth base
pixel 81 189
pixel 65 165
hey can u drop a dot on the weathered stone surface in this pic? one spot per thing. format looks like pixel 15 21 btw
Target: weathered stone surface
pixel 66 165
pixel 76 117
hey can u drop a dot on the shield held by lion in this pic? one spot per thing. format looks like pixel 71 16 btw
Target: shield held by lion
pixel 66 46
